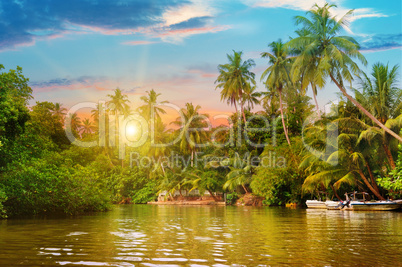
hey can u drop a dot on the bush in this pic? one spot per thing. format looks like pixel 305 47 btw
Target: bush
pixel 393 183
pixel 231 198
pixel 49 185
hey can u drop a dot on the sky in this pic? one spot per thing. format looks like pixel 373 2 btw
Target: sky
pixel 81 50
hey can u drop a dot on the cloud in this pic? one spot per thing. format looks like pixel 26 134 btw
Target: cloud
pixel 338 11
pixel 139 42
pixel 184 13
pixel 176 36
pixel 381 42
pixel 83 82
pixel 24 22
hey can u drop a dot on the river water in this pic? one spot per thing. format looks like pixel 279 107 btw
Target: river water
pixel 146 235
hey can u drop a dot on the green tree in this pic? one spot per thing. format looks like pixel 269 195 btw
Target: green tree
pixel 334 53
pixel 277 74
pixel 191 133
pixel 87 127
pixel 151 102
pixel 59 112
pixel 379 93
pixel 235 79
pixel 14 96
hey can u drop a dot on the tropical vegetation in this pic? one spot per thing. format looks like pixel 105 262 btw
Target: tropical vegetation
pixel 277 145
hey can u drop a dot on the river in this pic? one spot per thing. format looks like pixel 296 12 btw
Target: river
pixel 147 235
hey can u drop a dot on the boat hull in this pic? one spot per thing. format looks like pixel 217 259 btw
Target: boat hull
pixel 376 206
pixel 315 204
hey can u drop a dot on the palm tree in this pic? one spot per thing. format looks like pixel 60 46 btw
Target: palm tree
pixel 118 102
pixel 75 122
pixel 59 111
pixel 306 73
pixel 150 103
pixel 277 74
pixel 379 94
pixel 234 79
pixel 334 53
pixel 251 98
pixel 118 105
pixel 190 138
pixel 351 158
pixel 87 127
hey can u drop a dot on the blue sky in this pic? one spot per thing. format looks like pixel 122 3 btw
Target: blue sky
pixel 80 50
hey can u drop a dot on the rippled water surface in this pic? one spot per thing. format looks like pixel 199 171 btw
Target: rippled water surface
pixel 145 235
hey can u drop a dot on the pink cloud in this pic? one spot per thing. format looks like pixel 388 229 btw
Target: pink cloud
pixel 373 50
pixel 191 31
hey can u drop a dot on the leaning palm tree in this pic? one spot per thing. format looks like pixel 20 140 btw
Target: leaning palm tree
pixel 277 74
pixel 379 93
pixel 235 78
pixel 346 165
pixel 334 53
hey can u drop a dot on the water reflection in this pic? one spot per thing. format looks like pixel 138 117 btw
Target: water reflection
pixel 205 236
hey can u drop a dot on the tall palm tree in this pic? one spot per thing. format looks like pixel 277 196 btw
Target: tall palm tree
pixel 334 53
pixel 191 139
pixel 235 78
pixel 118 105
pixel 277 74
pixel 118 102
pixel 151 100
pixel 306 72
pixel 379 93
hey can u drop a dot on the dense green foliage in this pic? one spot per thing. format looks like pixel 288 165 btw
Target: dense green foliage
pixel 393 182
pixel 282 153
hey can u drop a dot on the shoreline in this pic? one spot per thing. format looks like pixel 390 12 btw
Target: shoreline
pixel 191 202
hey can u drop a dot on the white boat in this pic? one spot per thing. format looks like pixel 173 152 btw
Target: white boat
pixel 315 204
pixel 375 205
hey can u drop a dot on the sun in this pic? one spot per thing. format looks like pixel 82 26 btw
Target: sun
pixel 131 130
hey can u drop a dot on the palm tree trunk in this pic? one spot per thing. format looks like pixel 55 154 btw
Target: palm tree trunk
pixel 212 195
pixel 376 193
pixel 242 107
pixel 192 158
pixel 368 114
pixel 336 193
pixel 245 189
pixel 242 112
pixel 373 183
pixel 389 156
pixel 314 89
pixel 283 119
